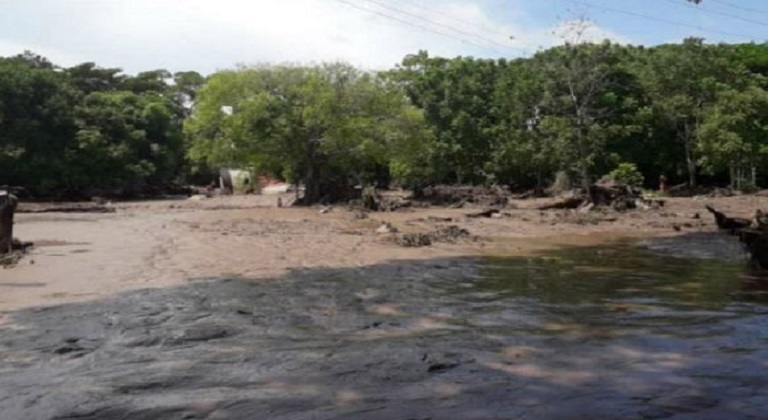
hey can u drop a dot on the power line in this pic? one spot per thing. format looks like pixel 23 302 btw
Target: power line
pixel 658 19
pixel 417 26
pixel 454 18
pixel 740 7
pixel 701 9
pixel 432 22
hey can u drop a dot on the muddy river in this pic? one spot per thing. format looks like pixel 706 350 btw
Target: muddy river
pixel 627 330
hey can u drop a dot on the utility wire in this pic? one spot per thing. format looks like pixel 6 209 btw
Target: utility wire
pixel 701 9
pixel 658 19
pixel 453 18
pixel 740 7
pixel 432 22
pixel 417 26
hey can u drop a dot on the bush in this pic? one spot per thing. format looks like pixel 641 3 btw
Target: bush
pixel 626 173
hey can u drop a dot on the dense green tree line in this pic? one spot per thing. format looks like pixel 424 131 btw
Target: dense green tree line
pixel 684 110
pixel 694 112
pixel 75 131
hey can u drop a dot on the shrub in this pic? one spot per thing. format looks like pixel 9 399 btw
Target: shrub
pixel 626 173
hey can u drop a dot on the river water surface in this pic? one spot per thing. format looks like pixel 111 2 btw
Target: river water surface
pixel 672 328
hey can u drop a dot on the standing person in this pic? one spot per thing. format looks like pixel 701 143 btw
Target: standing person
pixel 663 184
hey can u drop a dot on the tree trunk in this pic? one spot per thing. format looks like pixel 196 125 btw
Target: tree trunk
pixel 311 185
pixel 312 177
pixel 584 172
pixel 691 164
pixel 733 183
pixel 7 208
pixel 583 165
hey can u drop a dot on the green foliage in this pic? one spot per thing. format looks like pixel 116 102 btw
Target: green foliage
pixel 685 110
pixel 328 126
pixel 627 173
pixel 85 128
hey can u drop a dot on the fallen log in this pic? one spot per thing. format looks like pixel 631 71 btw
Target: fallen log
pixel 69 209
pixel 728 223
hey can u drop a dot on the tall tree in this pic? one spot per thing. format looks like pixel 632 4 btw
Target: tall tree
pixel 683 82
pixel 582 99
pixel 36 123
pixel 457 99
pixel 314 125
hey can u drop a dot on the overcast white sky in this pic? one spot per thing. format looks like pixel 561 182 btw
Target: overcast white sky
pixel 206 35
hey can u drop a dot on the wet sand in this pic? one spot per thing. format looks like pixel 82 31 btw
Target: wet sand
pixel 163 243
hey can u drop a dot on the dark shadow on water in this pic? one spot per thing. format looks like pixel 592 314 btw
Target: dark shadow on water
pixel 596 332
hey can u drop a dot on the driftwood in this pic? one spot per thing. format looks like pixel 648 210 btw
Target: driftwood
pixel 753 233
pixel 728 223
pixel 619 197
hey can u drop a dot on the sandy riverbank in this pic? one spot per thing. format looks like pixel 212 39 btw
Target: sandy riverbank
pixel 164 243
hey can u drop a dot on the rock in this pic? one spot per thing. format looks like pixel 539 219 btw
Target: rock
pixel 386 228
pixel 197 197
pixel 414 240
pixel 441 367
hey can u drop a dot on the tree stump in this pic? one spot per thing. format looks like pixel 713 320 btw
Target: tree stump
pixel 8 204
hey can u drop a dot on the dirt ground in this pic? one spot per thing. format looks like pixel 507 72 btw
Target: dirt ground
pixel 80 256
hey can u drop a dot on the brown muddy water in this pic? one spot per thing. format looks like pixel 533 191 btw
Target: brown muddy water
pixel 666 328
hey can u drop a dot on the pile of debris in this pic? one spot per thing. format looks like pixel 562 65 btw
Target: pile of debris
pixel 752 232
pixel 458 196
pixel 449 234
pixel 371 200
pixel 618 197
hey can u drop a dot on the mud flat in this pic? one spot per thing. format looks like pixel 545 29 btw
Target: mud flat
pixel 232 308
